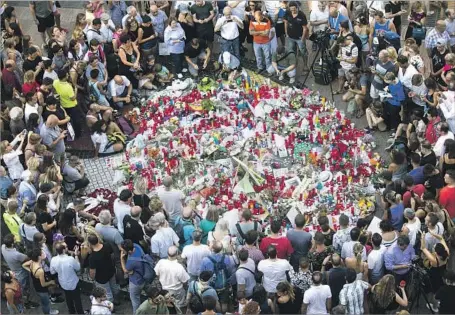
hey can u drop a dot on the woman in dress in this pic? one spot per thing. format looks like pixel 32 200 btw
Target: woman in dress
pixel 130 56
pixel 13 293
pixel 362 29
pixel 209 223
pixel 10 156
pixel 417 18
pixel 186 22
pixel 384 297
pixel 67 227
pixel 447 161
pixel 437 261
pixel 45 222
pixel 132 29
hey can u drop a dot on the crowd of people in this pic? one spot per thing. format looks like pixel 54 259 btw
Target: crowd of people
pixel 172 259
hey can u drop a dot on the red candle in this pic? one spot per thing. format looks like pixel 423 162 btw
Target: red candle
pixel 171 145
pixel 264 127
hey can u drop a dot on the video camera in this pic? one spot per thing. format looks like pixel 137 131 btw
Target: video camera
pixel 320 36
pixel 417 267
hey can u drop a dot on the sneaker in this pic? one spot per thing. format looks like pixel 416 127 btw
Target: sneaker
pixel 179 75
pixel 30 305
pixel 292 80
pixel 54 312
pixel 431 307
pixel 367 129
pixel 57 299
pixel 184 70
pixel 392 135
pixel 260 71
pixel 389 148
pixel 281 78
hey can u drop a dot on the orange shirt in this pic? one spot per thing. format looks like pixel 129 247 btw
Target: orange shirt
pixel 258 27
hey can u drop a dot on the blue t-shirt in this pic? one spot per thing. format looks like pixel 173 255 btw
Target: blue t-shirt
pixel 397 216
pixel 397 92
pixel 417 175
pixel 335 23
pixel 137 267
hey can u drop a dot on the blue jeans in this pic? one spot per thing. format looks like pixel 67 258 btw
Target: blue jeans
pixel 233 46
pixel 265 49
pixel 20 307
pixel 111 288
pixel 45 302
pixel 135 295
pixel 291 43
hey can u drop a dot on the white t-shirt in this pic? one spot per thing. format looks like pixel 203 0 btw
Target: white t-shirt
pixel 52 75
pixel 349 52
pixel 194 256
pixel 406 77
pixel 101 139
pixel 316 298
pixel 172 275
pixel 274 272
pixel 229 30
pixel 121 210
pixel 348 251
pixel 29 109
pixel 318 15
pixel 413 229
pixel 116 89
pixel 376 261
pixel 438 148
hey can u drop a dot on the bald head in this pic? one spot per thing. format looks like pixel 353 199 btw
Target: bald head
pixel 333 11
pixel 136 211
pixel 227 11
pixel 153 8
pixel 441 26
pixel 118 80
pixel 172 252
pixel 187 212
pixel 336 260
pixel 131 10
pixel 52 121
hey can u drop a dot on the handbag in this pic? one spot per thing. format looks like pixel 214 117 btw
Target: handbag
pixel 419 32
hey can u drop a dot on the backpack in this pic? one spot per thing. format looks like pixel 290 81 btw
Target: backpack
pixel 126 125
pixel 257 274
pixel 27 245
pixel 195 303
pixel 325 71
pixel 242 235
pixel 149 271
pixel 179 229
pixel 220 278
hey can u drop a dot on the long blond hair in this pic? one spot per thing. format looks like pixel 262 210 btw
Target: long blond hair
pixel 358 251
pixel 384 291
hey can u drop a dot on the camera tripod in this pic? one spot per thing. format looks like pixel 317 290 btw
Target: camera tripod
pixel 417 283
pixel 325 55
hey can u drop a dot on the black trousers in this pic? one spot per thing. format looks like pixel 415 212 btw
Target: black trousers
pixel 81 183
pixel 77 120
pixel 73 300
pixel 392 116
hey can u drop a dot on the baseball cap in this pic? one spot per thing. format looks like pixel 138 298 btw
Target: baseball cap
pixel 409 213
pixel 146 19
pixel 441 42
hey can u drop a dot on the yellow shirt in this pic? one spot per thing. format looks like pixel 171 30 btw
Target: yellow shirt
pixel 13 222
pixel 66 91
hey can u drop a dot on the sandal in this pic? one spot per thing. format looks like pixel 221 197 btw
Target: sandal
pixel 336 92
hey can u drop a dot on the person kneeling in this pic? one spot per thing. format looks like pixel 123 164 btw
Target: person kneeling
pixel 230 65
pixel 162 74
pixel 375 118
pixel 283 63
pixel 194 51
pixel 103 143
pixel 74 176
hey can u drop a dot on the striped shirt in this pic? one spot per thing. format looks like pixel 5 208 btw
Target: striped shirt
pixel 352 295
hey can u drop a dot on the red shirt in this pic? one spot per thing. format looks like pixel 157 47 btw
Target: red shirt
pixel 447 200
pixel 283 246
pixel 30 87
pixel 417 189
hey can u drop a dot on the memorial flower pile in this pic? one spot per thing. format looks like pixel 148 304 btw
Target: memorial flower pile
pixel 270 149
